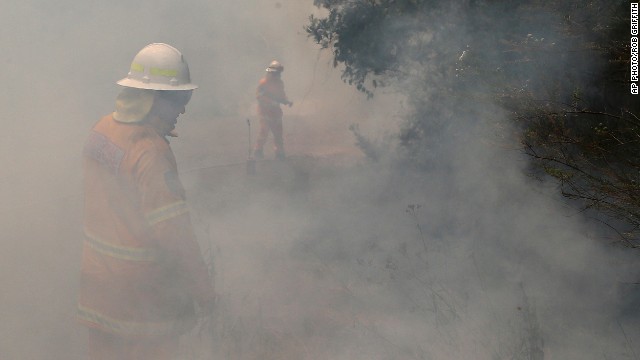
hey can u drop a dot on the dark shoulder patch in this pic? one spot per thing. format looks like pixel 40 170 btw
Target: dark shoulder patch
pixel 105 152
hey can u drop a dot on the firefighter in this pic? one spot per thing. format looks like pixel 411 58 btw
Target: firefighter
pixel 270 94
pixel 143 279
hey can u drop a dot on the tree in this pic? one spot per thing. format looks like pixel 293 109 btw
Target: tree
pixel 559 68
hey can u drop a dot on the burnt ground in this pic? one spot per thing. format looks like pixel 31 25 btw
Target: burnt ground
pixel 309 260
pixel 290 280
pixel 280 298
pixel 43 239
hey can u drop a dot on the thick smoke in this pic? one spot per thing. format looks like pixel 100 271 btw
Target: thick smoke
pixel 325 256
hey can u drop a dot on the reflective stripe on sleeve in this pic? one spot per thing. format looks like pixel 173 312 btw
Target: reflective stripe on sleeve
pixel 129 328
pixel 167 212
pixel 120 252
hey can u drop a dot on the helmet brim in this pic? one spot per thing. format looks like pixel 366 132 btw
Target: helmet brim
pixel 132 83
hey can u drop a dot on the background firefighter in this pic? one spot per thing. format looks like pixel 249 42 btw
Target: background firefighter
pixel 270 95
pixel 142 270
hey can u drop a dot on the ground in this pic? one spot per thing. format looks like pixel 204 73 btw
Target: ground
pixel 43 239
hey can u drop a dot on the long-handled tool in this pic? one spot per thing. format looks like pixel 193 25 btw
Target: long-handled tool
pixel 251 162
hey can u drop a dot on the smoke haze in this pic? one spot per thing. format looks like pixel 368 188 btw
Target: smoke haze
pixel 323 257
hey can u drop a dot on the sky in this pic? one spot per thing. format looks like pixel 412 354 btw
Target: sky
pixel 322 257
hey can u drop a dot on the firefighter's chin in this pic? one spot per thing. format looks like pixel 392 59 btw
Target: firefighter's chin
pixel 173 133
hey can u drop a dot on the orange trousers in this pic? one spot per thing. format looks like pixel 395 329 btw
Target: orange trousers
pixel 105 346
pixel 273 124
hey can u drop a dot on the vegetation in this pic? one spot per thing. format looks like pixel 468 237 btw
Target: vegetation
pixel 558 69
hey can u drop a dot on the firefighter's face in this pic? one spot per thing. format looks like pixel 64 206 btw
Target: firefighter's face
pixel 167 106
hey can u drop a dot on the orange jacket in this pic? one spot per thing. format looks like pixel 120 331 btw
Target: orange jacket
pixel 270 95
pixel 141 267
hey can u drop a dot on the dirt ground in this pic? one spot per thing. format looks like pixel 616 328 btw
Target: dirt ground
pixel 276 302
pixel 40 264
pixel 283 248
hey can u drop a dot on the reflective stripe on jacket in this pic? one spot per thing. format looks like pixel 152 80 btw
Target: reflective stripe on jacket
pixel 141 268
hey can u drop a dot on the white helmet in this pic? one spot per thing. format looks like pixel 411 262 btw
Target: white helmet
pixel 275 66
pixel 159 66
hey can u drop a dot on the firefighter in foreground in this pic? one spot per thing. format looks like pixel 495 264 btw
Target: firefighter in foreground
pixel 143 277
pixel 270 95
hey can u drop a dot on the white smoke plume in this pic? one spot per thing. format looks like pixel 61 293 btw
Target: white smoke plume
pixel 324 256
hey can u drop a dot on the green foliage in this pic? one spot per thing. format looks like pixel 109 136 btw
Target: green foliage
pixel 368 37
pixel 587 125
pixel 558 68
